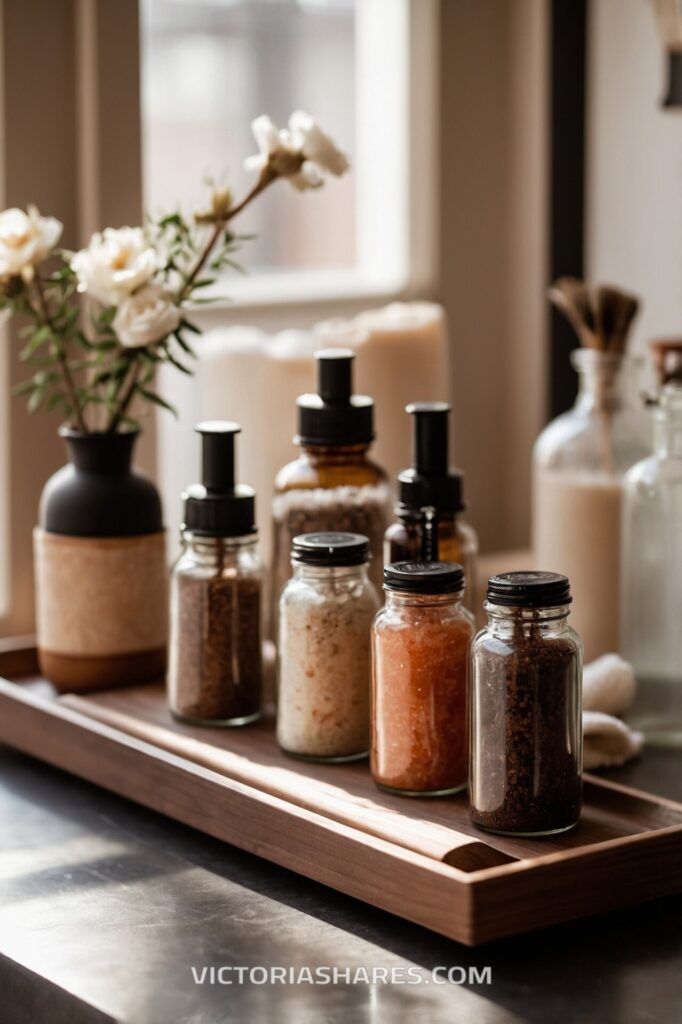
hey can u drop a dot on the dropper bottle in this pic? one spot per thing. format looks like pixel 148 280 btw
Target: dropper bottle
pixel 332 485
pixel 430 525
pixel 215 663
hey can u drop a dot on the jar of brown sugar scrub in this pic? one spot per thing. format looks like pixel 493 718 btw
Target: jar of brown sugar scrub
pixel 420 653
pixel 526 720
pixel 215 663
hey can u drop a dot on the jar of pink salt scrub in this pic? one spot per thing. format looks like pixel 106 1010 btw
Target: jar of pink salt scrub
pixel 326 614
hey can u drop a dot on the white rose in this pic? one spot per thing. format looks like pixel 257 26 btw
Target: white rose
pixel 300 153
pixel 26 239
pixel 116 263
pixel 146 317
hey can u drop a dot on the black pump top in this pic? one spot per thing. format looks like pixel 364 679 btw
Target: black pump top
pixel 335 416
pixel 430 482
pixel 217 507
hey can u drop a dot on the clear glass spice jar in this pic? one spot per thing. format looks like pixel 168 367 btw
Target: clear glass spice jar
pixel 579 461
pixel 215 659
pixel 526 715
pixel 430 525
pixel 326 614
pixel 420 654
pixel 333 485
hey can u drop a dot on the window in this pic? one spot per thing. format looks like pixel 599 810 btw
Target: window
pixel 210 66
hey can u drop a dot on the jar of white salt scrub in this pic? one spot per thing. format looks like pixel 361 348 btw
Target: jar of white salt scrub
pixel 326 614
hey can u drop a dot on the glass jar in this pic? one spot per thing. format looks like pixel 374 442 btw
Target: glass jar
pixel 526 716
pixel 333 485
pixel 578 465
pixel 651 594
pixel 326 614
pixel 420 648
pixel 215 671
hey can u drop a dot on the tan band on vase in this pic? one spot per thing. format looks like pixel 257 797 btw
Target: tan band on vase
pixel 99 596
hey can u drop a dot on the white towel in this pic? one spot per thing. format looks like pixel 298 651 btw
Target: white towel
pixel 609 686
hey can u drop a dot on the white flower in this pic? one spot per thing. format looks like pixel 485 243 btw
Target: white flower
pixel 316 145
pixel 302 152
pixel 146 317
pixel 116 263
pixel 26 239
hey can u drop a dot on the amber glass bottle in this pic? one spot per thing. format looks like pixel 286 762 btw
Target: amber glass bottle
pixel 430 526
pixel 333 485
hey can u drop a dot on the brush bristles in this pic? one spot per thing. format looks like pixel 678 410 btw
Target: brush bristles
pixel 600 315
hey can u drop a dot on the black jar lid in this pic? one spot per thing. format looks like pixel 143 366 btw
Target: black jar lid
pixel 330 549
pixel 424 577
pixel 217 507
pixel 335 416
pixel 529 589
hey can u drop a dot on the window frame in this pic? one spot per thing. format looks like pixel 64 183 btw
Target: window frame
pixel 401 95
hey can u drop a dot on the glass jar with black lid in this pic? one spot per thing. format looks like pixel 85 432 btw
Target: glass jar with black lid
pixel 420 656
pixel 326 613
pixel 526 721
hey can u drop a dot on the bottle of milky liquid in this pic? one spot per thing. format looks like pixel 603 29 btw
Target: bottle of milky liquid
pixel 333 485
pixel 580 459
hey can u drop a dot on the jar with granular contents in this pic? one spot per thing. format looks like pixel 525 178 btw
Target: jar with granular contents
pixel 215 665
pixel 333 485
pixel 420 646
pixel 526 722
pixel 326 614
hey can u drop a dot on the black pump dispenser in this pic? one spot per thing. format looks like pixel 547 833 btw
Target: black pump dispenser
pixel 335 416
pixel 430 483
pixel 217 507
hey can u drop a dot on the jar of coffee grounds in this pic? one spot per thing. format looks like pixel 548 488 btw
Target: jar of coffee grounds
pixel 526 716
pixel 215 663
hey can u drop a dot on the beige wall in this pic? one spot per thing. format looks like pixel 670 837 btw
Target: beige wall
pixel 634 171
pixel 50 101
pixel 493 245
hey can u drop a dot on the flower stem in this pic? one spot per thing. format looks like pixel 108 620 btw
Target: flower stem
pixel 125 399
pixel 266 178
pixel 69 383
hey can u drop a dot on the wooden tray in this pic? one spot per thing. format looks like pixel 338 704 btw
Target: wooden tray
pixel 418 858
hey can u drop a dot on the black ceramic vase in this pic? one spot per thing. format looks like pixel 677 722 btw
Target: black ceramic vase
pixel 100 568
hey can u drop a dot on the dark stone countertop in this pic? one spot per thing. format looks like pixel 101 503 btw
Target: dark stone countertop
pixel 105 907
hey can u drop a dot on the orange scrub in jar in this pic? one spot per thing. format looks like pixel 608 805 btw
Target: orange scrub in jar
pixel 420 658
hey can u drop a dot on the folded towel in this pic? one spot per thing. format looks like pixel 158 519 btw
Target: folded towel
pixel 609 686
pixel 608 741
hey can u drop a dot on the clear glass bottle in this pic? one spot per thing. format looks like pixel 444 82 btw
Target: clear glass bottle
pixel 215 671
pixel 651 585
pixel 430 525
pixel 326 613
pixel 578 465
pixel 420 654
pixel 526 716
pixel 333 485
